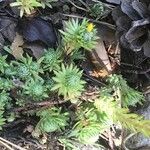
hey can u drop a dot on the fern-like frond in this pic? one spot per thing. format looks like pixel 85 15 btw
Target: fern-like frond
pixel 128 96
pixel 128 120
pixel 51 120
pixel 88 133
pixel 132 121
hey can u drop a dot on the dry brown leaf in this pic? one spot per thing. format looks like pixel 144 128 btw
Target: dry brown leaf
pixel 16 47
pixel 36 48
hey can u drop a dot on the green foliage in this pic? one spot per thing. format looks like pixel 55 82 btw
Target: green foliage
pixel 72 144
pixel 107 104
pixel 51 119
pixel 97 10
pixel 68 144
pixel 90 123
pixel 27 68
pixel 88 134
pixel 10 71
pixel 35 89
pixel 47 3
pixel 5 84
pixel 26 6
pixel 4 99
pixel 3 63
pixel 77 35
pixel 88 119
pixel 132 121
pixel 52 59
pixel 76 55
pixel 127 95
pixel 68 82
pixel 49 83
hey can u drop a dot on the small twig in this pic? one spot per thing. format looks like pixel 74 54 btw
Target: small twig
pixel 95 80
pixel 40 104
pixel 77 6
pixel 126 139
pixel 92 20
pixel 111 142
pixel 87 6
pixel 107 5
pixel 109 48
pixel 102 136
pixel 10 143
pixel 6 145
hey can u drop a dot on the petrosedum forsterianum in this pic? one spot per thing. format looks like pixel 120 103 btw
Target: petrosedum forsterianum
pixel 26 6
pixel 4 99
pixel 27 68
pixel 35 89
pixel 51 59
pixel 5 84
pixel 79 34
pixel 3 63
pixel 68 82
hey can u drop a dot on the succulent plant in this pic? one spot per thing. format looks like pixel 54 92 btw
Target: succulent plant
pixel 49 83
pixel 4 99
pixel 52 59
pixel 10 71
pixel 35 89
pixel 3 63
pixel 27 68
pixel 5 84
pixel 77 35
pixel 97 10
pixel 23 71
pixel 68 82
pixel 26 6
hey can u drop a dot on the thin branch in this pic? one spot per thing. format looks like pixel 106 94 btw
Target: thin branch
pixel 107 5
pixel 40 104
pixel 77 6
pixel 10 143
pixel 92 20
pixel 6 145
pixel 127 139
pixel 87 6
pixel 95 80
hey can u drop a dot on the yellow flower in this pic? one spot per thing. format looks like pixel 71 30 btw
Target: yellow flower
pixel 90 27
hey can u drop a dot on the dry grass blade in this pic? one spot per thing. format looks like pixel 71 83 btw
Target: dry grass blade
pixel 6 143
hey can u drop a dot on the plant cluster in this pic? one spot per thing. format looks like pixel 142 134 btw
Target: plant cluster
pixel 97 10
pixel 27 68
pixel 95 117
pixel 34 80
pixel 68 82
pixel 28 6
pixel 52 59
pixel 51 119
pixel 78 35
